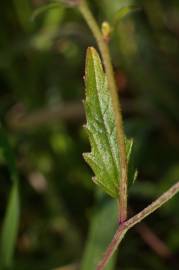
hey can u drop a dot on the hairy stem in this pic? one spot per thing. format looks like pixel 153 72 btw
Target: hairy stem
pixel 103 47
pixel 123 228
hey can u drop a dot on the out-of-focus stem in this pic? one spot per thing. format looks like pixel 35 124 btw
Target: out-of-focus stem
pixel 153 241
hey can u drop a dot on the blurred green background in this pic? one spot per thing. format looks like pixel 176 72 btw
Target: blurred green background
pixel 65 222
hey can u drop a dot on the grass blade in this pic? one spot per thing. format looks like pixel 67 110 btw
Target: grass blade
pixel 10 227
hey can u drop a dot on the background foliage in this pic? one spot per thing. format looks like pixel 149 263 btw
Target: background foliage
pixel 41 88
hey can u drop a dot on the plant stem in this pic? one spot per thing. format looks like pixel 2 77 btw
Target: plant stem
pixel 123 228
pixel 119 235
pixel 103 47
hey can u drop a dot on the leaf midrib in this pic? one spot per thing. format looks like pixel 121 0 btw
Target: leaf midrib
pixel 98 99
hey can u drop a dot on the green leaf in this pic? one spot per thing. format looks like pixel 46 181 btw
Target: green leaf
pixel 23 11
pixel 104 157
pixel 43 9
pixel 100 234
pixel 10 227
pixel 51 24
pixel 124 11
pixel 11 220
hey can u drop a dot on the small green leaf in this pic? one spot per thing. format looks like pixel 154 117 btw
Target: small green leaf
pixel 10 227
pixel 23 11
pixel 124 11
pixel 51 24
pixel 104 157
pixel 11 220
pixel 43 9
